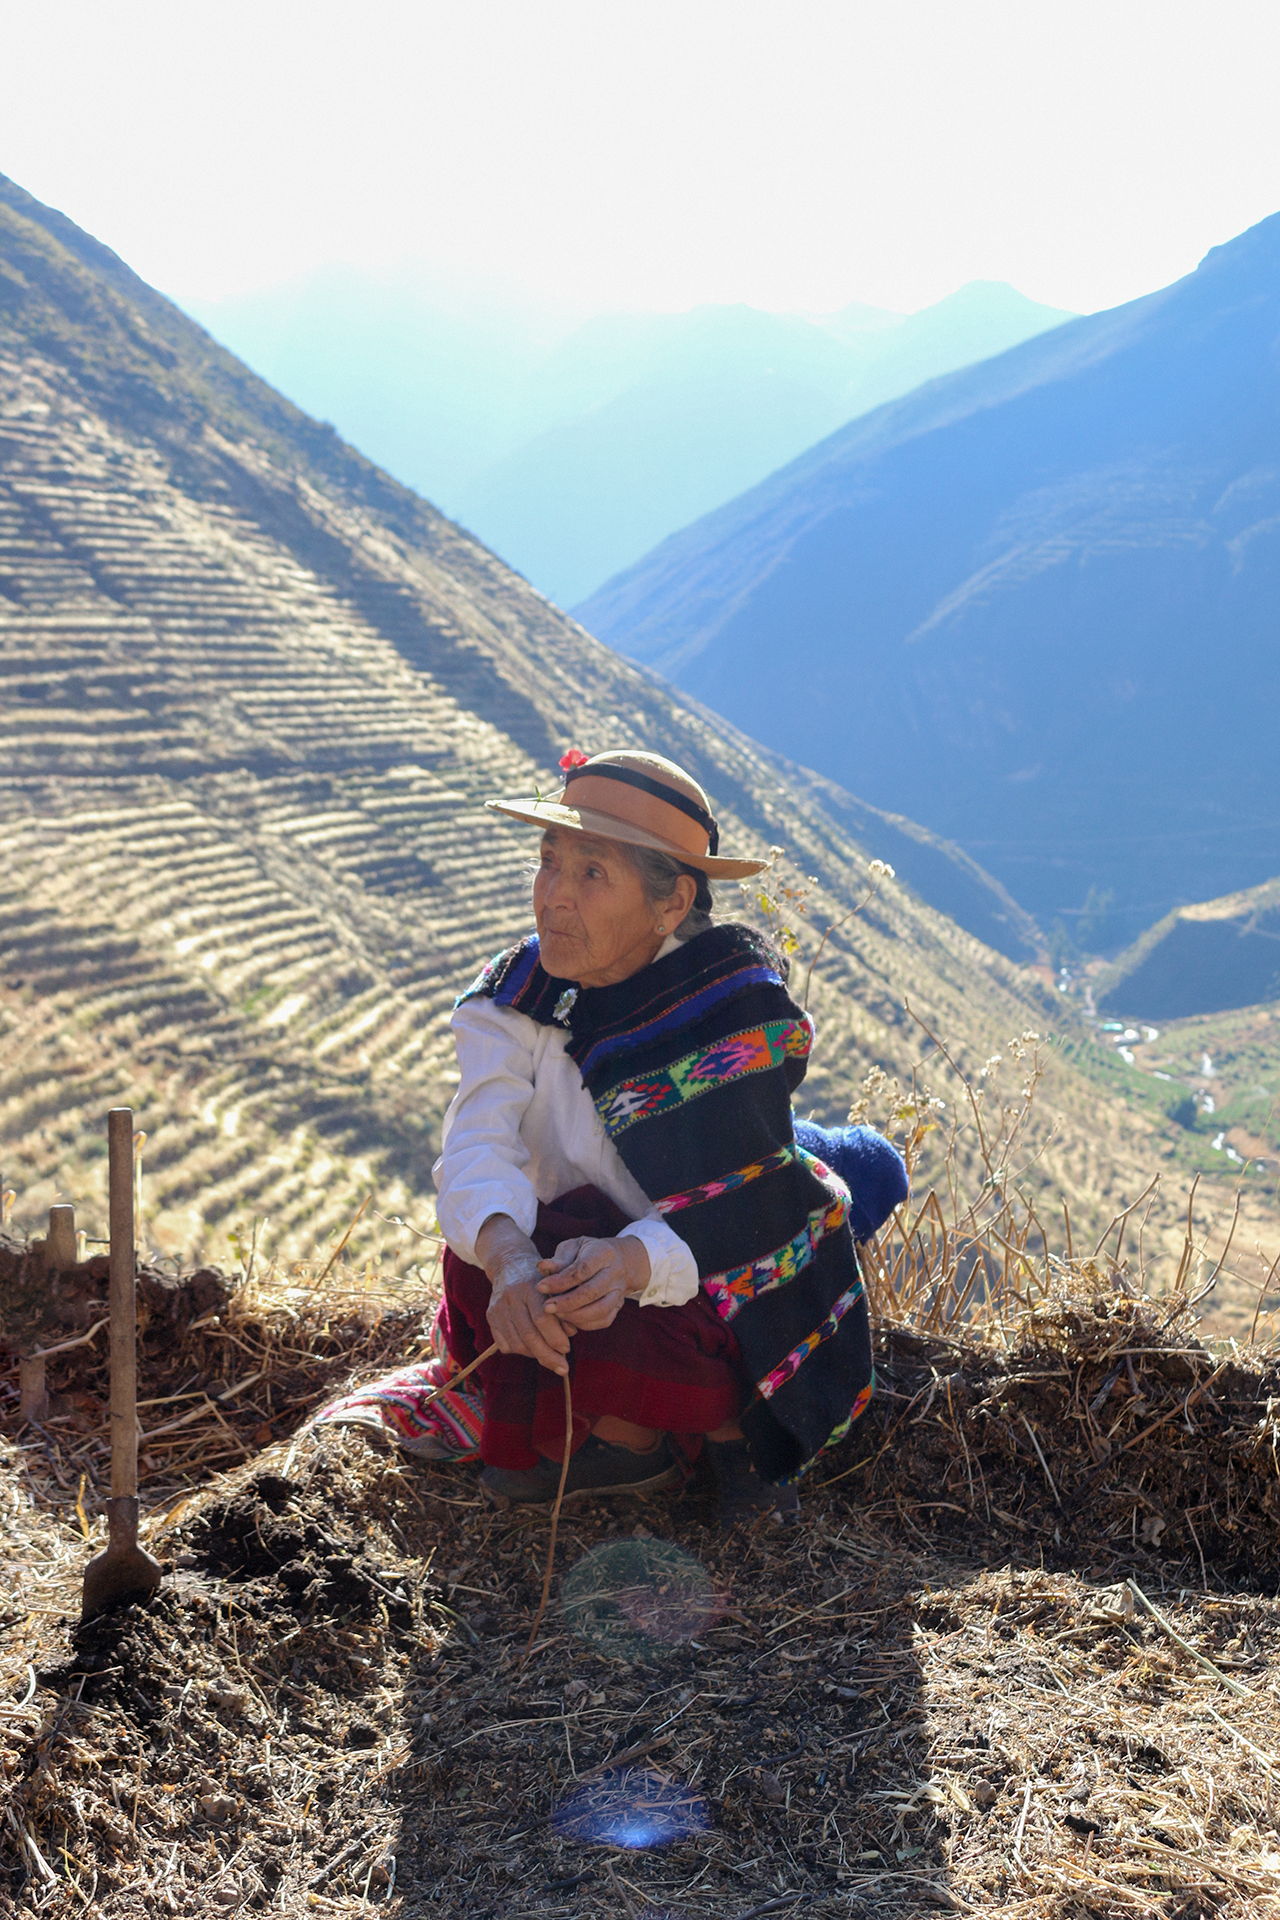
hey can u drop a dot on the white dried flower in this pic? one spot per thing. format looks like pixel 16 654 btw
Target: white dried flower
pixel 880 870
pixel 990 1065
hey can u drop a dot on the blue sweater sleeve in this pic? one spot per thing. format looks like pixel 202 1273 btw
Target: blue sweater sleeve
pixel 870 1166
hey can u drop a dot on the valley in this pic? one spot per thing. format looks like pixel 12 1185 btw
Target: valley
pixel 1011 604
pixel 570 447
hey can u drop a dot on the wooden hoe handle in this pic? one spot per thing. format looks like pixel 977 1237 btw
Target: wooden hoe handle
pixel 123 1307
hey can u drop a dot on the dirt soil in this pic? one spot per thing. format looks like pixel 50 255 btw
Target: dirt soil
pixel 939 1692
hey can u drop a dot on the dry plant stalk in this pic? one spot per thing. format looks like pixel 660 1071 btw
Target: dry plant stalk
pixel 779 903
pixel 325 1270
pixel 981 1261
pixel 555 1520
pixel 969 1258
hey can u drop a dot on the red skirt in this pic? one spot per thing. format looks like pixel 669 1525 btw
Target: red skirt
pixel 674 1368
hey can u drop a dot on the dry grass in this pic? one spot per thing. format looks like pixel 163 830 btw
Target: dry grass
pixel 1020 1654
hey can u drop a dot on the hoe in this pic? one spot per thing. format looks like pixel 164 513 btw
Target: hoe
pixel 123 1571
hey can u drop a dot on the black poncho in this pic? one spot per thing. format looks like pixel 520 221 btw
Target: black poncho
pixel 691 1064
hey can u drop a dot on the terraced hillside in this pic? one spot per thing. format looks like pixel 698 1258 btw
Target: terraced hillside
pixel 254 696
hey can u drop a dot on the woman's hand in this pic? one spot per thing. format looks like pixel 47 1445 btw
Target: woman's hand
pixel 587 1280
pixel 519 1318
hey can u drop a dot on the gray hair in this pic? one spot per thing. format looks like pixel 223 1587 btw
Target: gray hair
pixel 658 875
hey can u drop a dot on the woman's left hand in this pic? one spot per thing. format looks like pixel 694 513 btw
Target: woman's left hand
pixel 587 1280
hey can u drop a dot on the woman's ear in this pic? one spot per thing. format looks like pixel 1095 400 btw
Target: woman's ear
pixel 683 895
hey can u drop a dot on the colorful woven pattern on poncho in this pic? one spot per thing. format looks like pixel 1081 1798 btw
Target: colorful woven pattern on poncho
pixel 738 1287
pixel 712 1189
pixel 779 1375
pixel 758 1050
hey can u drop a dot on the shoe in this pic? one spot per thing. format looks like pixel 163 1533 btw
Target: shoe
pixel 598 1467
pixel 525 1486
pixel 742 1496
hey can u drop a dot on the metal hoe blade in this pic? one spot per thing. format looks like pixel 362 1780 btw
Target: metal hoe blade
pixel 124 1571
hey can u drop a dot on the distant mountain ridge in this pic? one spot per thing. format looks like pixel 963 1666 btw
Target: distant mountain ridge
pixel 1032 604
pixel 571 460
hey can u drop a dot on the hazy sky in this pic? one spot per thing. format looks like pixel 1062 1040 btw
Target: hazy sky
pixel 643 153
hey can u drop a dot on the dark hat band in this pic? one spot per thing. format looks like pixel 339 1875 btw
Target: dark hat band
pixel 658 788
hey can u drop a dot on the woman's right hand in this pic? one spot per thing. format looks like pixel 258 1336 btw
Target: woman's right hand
pixel 517 1315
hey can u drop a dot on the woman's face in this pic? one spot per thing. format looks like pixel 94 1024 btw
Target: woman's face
pixel 595 925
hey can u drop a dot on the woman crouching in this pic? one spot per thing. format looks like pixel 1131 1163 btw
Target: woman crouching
pixel 621 1187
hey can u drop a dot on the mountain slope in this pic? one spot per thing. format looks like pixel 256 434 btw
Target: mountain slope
pixel 1036 599
pixel 705 404
pixel 572 459
pixel 254 696
pixel 435 394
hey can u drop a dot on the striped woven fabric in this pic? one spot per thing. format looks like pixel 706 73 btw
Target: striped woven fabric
pixel 738 1287
pixel 399 1408
pixel 712 1189
pixel 691 1064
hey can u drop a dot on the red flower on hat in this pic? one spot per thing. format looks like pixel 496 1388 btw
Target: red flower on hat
pixel 574 758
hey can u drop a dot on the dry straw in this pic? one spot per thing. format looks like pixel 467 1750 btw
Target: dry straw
pixel 1015 1658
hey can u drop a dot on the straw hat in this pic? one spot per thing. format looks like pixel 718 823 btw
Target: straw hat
pixel 641 799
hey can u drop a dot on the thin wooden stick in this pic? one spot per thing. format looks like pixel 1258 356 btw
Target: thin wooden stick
pixel 341 1244
pixel 1236 1734
pixel 983 1145
pixel 456 1379
pixel 85 1339
pixel 1213 1280
pixel 1189 1244
pixel 1186 1406
pixel 1031 1435
pixel 1121 1218
pixel 1022 1824
pixel 835 926
pixel 621 1892
pixel 555 1519
pixel 1262 1294
pixel 770 1906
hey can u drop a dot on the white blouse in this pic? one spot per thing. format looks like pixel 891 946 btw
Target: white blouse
pixel 523 1128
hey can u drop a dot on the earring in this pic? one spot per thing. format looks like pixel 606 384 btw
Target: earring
pixel 661 929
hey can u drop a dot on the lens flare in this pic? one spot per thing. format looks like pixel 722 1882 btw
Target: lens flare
pixel 632 1808
pixel 632 1596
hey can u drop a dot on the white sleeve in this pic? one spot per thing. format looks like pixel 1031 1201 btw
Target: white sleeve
pixel 483 1160
pixel 481 1169
pixel 673 1271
